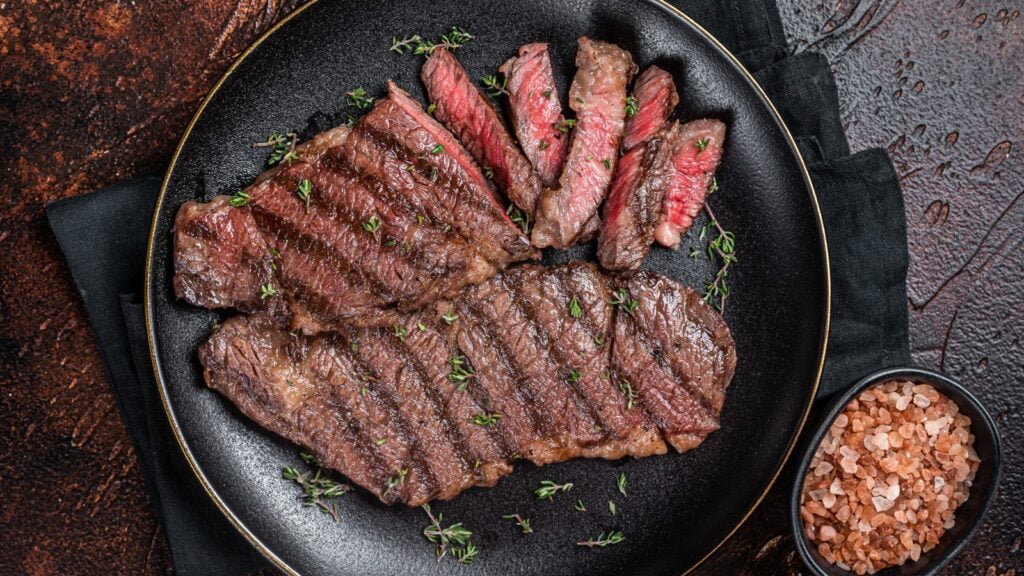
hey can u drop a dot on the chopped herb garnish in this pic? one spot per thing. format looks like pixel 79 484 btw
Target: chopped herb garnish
pixel 621 483
pixel 239 199
pixel 275 252
pixel 373 224
pixel 519 217
pixel 632 106
pixel 543 145
pixel 723 245
pixel 381 442
pixel 612 537
pixel 565 125
pixel 578 100
pixel 465 555
pixel 431 108
pixel 461 372
pixel 390 242
pixel 487 419
pixel 494 86
pixel 421 326
pixel 548 489
pixel 267 290
pixel 575 310
pixel 420 219
pixel 400 332
pixel 622 299
pixel 488 172
pixel 317 485
pixel 714 185
pixel 579 506
pixel 449 317
pixel 612 508
pixel 437 149
pixel 574 376
pixel 626 387
pixel 305 187
pixel 455 537
pixel 702 145
pixel 523 523
pixel 599 339
pixel 546 93
pixel 607 164
pixel 358 99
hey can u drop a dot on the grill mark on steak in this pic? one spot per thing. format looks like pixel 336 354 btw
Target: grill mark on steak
pixel 522 418
pixel 421 480
pixel 585 407
pixel 443 449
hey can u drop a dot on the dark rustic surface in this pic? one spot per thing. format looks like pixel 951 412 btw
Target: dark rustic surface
pixel 93 93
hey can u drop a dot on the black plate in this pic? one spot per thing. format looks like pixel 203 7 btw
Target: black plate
pixel 679 507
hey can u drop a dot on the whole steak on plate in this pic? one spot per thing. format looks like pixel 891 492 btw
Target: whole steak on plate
pixel 397 216
pixel 539 363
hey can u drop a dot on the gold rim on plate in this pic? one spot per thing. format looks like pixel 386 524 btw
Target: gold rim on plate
pixel 151 332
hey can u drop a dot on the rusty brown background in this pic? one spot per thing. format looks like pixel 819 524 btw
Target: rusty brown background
pixel 94 92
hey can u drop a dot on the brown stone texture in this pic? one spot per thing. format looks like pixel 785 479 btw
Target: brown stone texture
pixel 92 93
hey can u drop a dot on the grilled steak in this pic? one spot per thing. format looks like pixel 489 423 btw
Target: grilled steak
pixel 538 364
pixel 695 160
pixel 677 354
pixel 656 98
pixel 470 115
pixel 397 217
pixel 634 204
pixel 536 112
pixel 598 96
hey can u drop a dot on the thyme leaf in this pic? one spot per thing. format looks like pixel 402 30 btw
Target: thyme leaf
pixel 605 539
pixel 548 489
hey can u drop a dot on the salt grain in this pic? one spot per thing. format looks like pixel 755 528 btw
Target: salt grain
pixel 885 482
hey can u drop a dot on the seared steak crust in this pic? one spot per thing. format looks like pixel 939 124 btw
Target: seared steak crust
pixel 536 112
pixel 462 107
pixel 598 96
pixel 538 364
pixel 398 216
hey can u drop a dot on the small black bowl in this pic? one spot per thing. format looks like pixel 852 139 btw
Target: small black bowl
pixel 968 515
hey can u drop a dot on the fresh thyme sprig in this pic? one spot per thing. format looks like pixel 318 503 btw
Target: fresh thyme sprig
pixel 400 332
pixel 358 98
pixel 565 125
pixel 605 539
pixel 282 148
pixel 621 483
pixel 240 198
pixel 702 145
pixel 626 387
pixel 267 290
pixel 622 299
pixel 494 86
pixel 372 224
pixel 461 371
pixel 579 506
pixel 575 309
pixel 519 217
pixel 303 191
pixel 723 245
pixel 416 44
pixel 455 537
pixel 317 486
pixel 487 419
pixel 395 481
pixel 632 106
pixel 449 317
pixel 548 489
pixel 523 523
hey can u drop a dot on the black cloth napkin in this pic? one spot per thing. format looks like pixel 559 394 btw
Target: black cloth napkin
pixel 103 236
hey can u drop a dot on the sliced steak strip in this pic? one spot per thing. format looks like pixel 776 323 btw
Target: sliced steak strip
pixel 462 107
pixel 598 96
pixel 695 160
pixel 536 112
pixel 634 204
pixel 677 355
pixel 656 98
